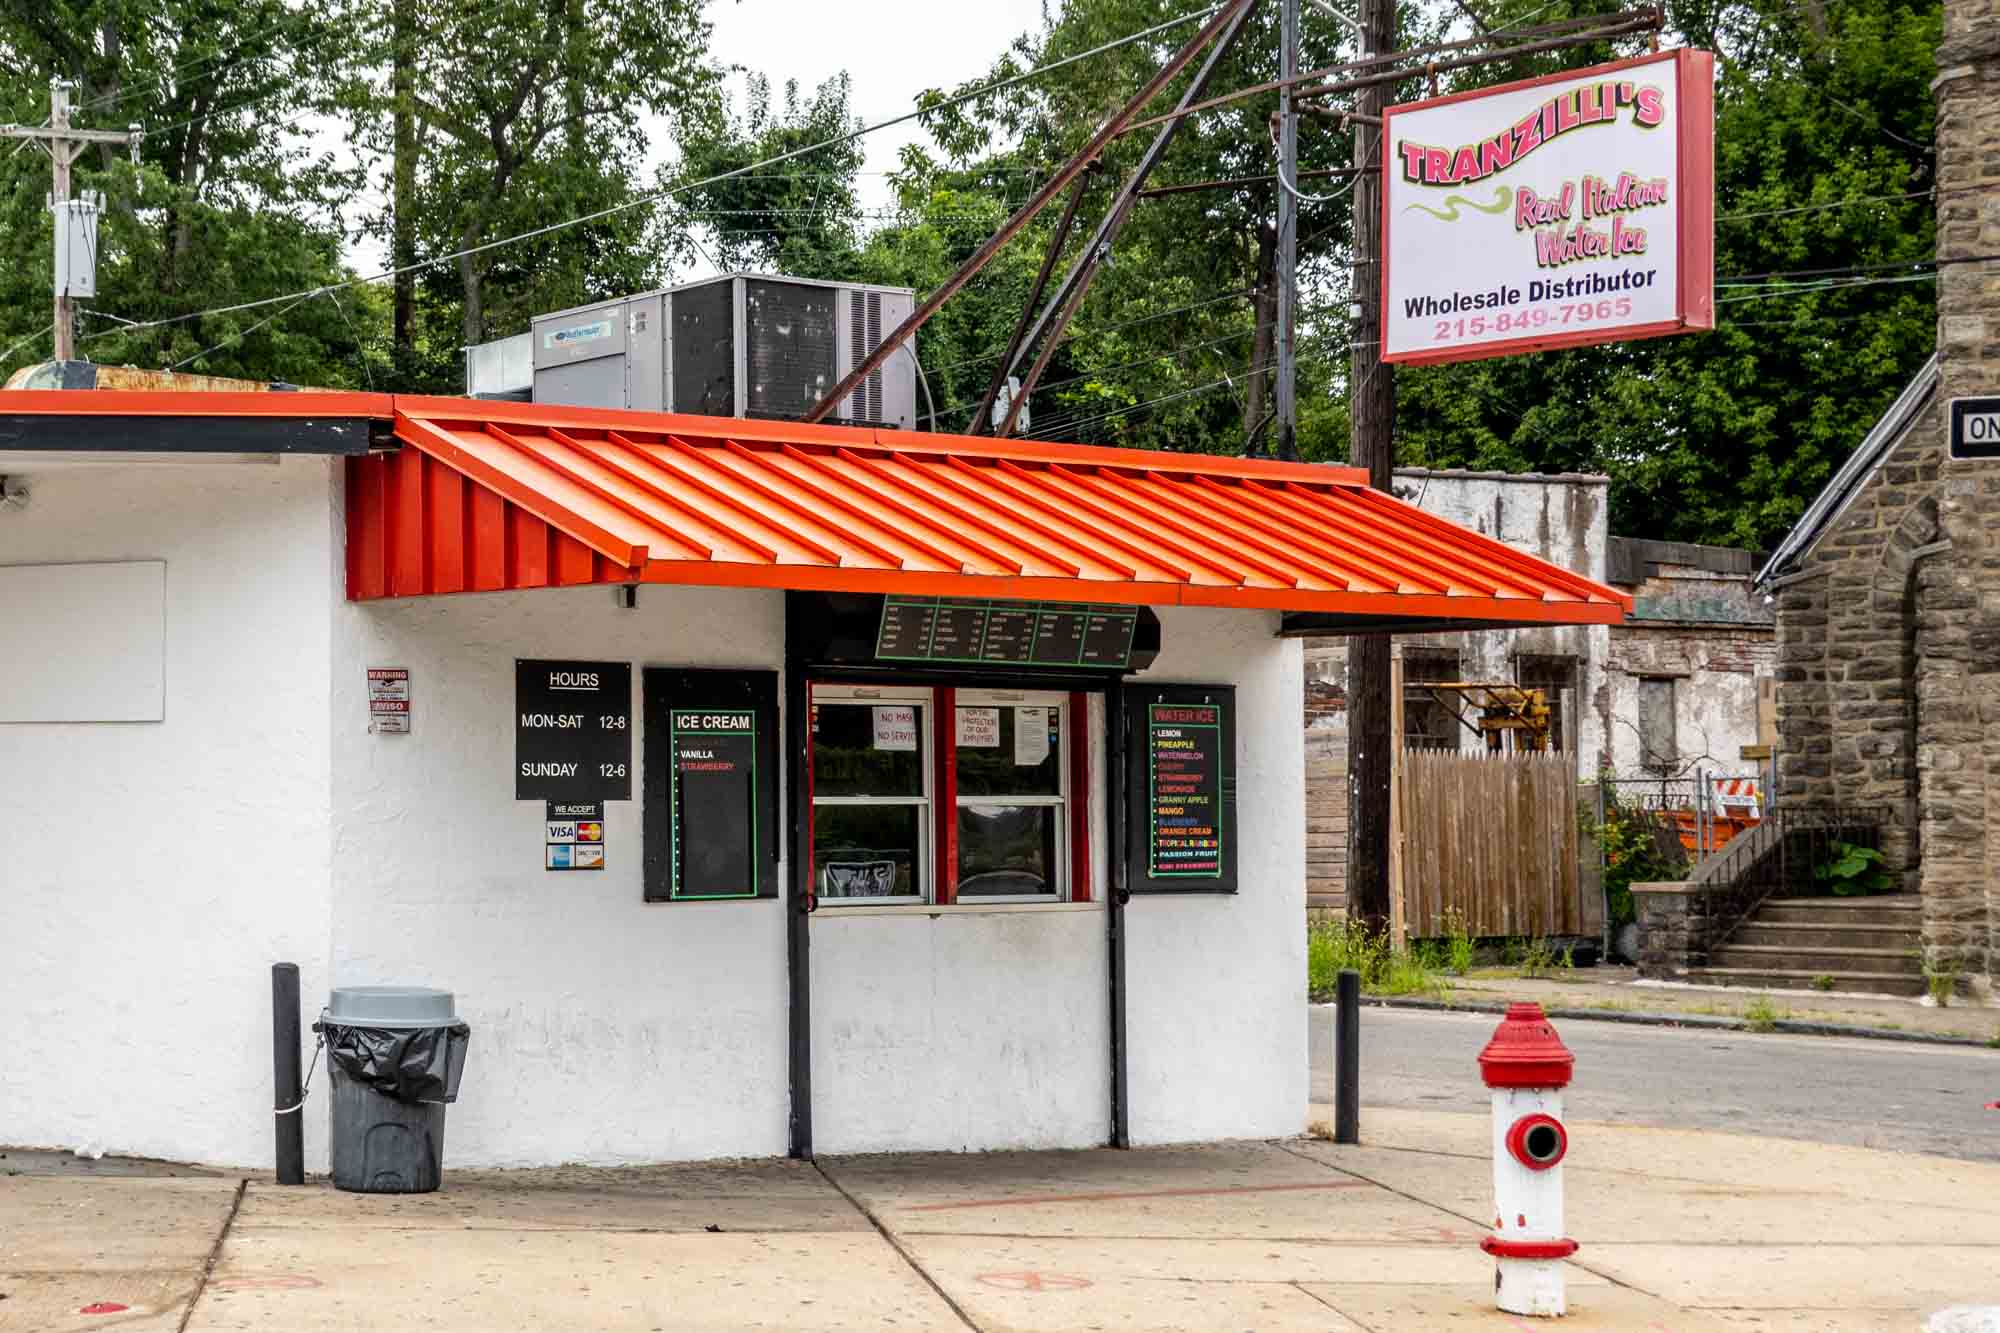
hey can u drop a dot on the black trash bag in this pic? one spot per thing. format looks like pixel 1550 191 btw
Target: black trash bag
pixel 409 1064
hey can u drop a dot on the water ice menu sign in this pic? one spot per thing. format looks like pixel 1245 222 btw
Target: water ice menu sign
pixel 1182 806
pixel 572 731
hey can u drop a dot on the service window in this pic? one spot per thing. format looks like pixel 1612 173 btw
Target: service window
pixel 871 794
pixel 936 797
pixel 1012 770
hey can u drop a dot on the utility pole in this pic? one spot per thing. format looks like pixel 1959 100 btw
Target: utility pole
pixel 403 179
pixel 1371 398
pixel 1287 404
pixel 64 145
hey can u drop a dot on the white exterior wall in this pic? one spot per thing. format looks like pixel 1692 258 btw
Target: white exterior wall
pixel 1215 1009
pixel 965 1029
pixel 155 870
pixel 605 1029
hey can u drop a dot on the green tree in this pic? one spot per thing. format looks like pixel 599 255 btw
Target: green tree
pixel 526 112
pixel 1166 350
pixel 801 216
pixel 227 203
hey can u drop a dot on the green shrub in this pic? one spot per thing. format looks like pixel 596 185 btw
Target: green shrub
pixel 1457 943
pixel 1850 871
pixel 1335 946
pixel 1760 1015
pixel 1632 855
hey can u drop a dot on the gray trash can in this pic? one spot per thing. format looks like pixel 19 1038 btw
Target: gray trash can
pixel 395 1054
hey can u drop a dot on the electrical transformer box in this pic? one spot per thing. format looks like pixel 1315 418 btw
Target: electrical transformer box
pixel 743 345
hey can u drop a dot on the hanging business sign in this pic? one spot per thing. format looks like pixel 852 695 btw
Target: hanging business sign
pixel 1975 428
pixel 1181 798
pixel 711 808
pixel 572 731
pixel 1556 212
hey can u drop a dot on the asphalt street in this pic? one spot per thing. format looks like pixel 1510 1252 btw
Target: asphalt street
pixel 1872 1094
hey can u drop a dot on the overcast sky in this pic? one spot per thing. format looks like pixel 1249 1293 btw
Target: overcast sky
pixel 893 49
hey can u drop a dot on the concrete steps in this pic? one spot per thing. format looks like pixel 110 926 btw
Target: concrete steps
pixel 1865 983
pixel 1844 944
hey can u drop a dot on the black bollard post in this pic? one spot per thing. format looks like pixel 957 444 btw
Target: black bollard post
pixel 288 1122
pixel 1347 1058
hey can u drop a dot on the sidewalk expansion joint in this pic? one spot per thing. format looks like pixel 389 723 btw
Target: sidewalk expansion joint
pixel 214 1255
pixel 1478 1222
pixel 1313 1295
pixel 897 1245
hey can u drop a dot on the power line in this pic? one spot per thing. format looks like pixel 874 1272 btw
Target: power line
pixel 18 345
pixel 658 195
pixel 1236 295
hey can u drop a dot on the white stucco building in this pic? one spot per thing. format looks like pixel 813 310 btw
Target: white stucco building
pixel 965 943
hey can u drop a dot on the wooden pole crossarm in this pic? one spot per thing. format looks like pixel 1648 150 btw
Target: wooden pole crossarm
pixel 1600 27
pixel 1110 130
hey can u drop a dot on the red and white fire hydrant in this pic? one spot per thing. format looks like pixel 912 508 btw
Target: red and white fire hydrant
pixel 1527 1067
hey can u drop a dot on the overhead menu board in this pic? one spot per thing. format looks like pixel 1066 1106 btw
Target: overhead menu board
pixel 1181 797
pixel 711 785
pixel 1045 634
pixel 572 731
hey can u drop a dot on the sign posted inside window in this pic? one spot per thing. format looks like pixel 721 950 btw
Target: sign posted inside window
pixel 895 727
pixel 979 728
pixel 711 793
pixel 572 731
pixel 1181 800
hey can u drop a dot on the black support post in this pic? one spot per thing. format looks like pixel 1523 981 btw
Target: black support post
pixel 1115 894
pixel 798 889
pixel 1347 1058
pixel 288 1125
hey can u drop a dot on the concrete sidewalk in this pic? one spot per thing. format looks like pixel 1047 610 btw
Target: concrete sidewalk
pixel 1680 1231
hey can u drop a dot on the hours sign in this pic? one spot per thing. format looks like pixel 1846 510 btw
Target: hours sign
pixel 572 731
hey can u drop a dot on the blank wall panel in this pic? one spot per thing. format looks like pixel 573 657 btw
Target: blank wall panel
pixel 83 643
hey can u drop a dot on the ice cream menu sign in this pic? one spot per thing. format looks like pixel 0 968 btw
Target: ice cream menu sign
pixel 1182 811
pixel 711 790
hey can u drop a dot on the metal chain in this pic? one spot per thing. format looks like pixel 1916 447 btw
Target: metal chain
pixel 318 1046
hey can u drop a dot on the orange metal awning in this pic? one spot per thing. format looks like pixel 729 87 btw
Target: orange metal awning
pixel 478 496
pixel 491 495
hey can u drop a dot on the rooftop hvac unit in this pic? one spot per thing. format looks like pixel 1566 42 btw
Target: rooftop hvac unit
pixel 740 345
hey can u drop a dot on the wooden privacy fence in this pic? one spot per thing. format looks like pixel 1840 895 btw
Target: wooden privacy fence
pixel 1492 838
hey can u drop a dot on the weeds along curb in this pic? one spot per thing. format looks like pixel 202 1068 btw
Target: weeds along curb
pixel 1793 1026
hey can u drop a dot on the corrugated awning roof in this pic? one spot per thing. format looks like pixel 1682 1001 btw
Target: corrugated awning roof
pixel 478 496
pixel 489 496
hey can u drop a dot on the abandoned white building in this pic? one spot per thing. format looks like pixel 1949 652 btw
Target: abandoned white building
pixel 1676 690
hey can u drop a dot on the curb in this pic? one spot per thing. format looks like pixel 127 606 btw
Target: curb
pixel 1793 1026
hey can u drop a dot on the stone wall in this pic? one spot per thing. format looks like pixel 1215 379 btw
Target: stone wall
pixel 1889 628
pixel 1958 622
